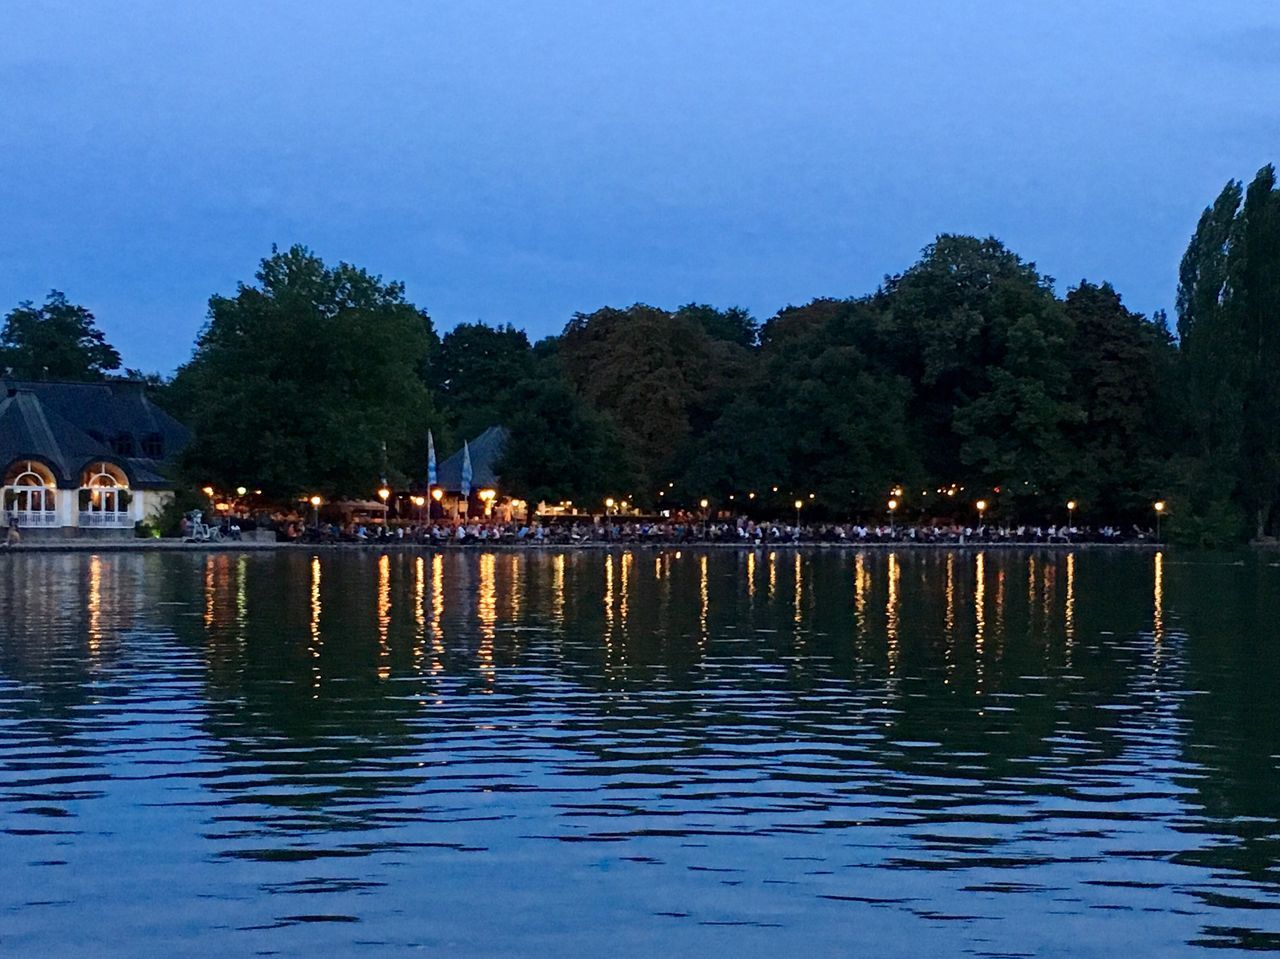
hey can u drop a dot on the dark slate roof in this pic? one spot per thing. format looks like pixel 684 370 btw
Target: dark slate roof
pixel 486 451
pixel 68 425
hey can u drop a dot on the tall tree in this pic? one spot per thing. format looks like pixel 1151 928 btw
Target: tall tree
pixel 1229 332
pixel 55 341
pixel 1123 369
pixel 298 382
pixel 477 369
pixel 820 414
pixel 982 338
pixel 1255 303
pixel 659 376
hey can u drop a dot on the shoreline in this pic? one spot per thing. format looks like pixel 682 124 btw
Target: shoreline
pixel 241 546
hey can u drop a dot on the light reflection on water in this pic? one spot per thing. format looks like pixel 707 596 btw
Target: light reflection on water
pixel 576 753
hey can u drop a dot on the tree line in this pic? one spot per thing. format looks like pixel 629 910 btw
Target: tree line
pixel 964 377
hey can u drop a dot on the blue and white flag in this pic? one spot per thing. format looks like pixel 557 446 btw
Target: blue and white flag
pixel 431 459
pixel 466 469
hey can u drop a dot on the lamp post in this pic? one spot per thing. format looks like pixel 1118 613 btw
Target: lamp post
pixel 893 506
pixel 315 505
pixel 1071 518
pixel 982 509
pixel 437 494
pixel 1159 508
pixel 799 504
pixel 608 505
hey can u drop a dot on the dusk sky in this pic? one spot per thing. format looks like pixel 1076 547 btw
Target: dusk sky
pixel 518 162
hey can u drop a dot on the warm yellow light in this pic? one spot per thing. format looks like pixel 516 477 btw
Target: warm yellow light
pixel 488 494
pixel 222 507
pixel 896 491
pixel 1071 505
pixel 419 500
pixel 437 494
pixel 703 503
pixel 316 501
pixel 1160 506
pixel 208 491
pixel 751 496
pixel 608 503
pixel 240 491
pixel 775 489
pixel 893 504
pixel 384 494
pixel 982 505
pixel 799 503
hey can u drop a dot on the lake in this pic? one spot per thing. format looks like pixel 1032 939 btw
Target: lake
pixel 639 753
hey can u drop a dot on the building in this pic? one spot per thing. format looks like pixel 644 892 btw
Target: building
pixel 84 459
pixel 486 497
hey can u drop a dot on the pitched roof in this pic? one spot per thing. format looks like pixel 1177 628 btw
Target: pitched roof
pixel 486 451
pixel 68 425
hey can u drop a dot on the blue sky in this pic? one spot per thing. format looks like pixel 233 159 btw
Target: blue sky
pixel 516 162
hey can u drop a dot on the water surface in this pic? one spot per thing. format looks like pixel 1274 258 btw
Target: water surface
pixel 649 753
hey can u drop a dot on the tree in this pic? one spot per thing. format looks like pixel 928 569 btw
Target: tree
pixel 1229 333
pixel 983 341
pixel 56 341
pixel 820 415
pixel 298 382
pixel 659 376
pixel 559 449
pixel 1123 367
pixel 477 369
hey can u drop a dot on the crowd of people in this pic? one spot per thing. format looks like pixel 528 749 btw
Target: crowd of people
pixel 743 531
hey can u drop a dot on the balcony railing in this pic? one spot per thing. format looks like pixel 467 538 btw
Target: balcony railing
pixel 26 518
pixel 105 520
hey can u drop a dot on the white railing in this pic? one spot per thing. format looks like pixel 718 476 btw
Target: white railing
pixel 26 518
pixel 105 520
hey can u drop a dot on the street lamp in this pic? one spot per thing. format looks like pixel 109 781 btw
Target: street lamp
pixel 240 491
pixel 1071 517
pixel 982 508
pixel 1159 507
pixel 315 505
pixel 799 504
pixel 608 505
pixel 893 505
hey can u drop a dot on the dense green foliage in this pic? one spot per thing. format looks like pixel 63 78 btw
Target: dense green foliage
pixel 1229 332
pixel 55 341
pixel 965 377
pixel 301 381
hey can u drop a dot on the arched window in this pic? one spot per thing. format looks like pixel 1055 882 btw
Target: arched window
pixel 30 493
pixel 104 492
